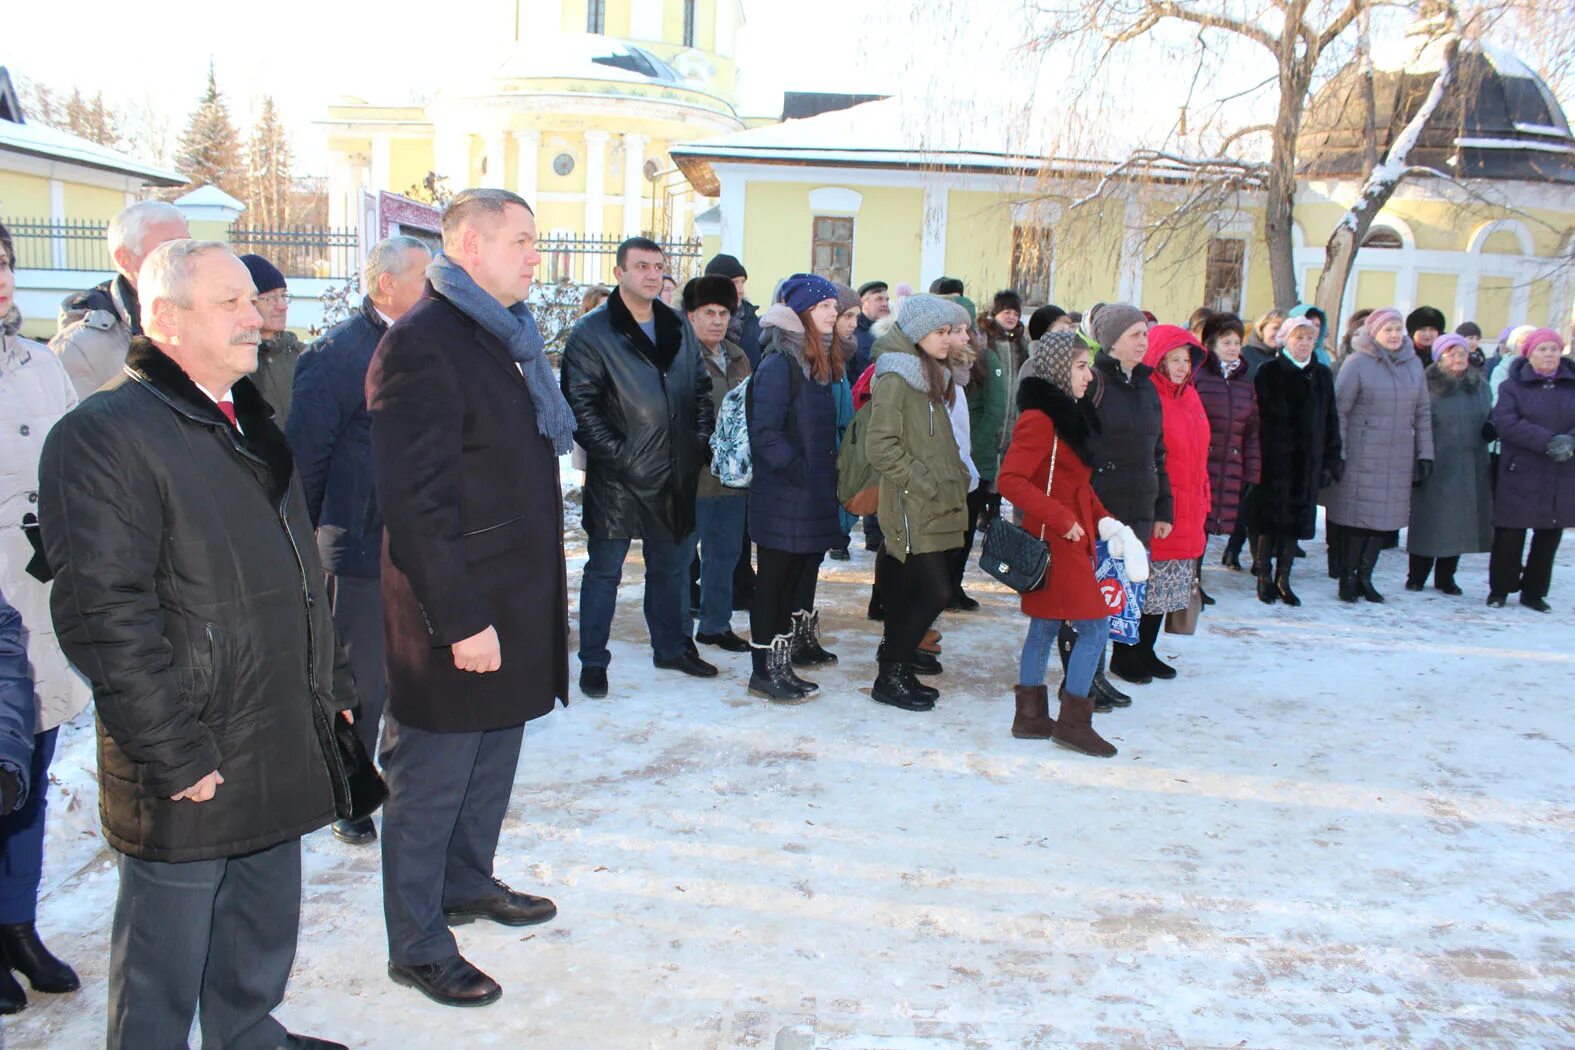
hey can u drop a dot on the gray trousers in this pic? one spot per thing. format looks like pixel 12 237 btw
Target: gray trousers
pixel 447 795
pixel 212 937
pixel 358 616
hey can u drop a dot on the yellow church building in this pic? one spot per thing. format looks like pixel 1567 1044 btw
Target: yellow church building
pixel 577 116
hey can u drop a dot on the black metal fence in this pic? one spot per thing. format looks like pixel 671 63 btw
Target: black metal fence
pixel 303 251
pixel 572 258
pixel 65 245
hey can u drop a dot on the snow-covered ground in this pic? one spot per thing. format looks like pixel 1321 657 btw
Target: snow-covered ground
pixel 1341 826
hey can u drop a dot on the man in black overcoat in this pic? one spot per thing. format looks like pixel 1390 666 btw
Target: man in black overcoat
pixel 467 427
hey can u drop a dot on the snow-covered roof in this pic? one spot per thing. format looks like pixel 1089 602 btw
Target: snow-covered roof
pixel 916 132
pixel 52 143
pixel 587 56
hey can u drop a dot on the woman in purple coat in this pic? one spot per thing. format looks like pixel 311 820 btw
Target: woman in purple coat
pixel 1535 417
pixel 1235 455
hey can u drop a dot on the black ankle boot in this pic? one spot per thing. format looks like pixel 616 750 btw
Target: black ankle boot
pixel 12 999
pixel 1148 630
pixel 1127 664
pixel 771 673
pixel 21 949
pixel 895 687
pixel 1372 546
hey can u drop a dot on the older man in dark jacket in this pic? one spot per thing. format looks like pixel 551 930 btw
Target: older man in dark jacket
pixel 467 428
pixel 331 435
pixel 188 591
pixel 632 372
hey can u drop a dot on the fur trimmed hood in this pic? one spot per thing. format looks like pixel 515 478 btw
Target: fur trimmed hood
pixel 1074 424
pixel 1442 384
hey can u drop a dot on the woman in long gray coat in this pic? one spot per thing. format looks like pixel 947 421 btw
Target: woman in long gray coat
pixel 1452 511
pixel 1386 427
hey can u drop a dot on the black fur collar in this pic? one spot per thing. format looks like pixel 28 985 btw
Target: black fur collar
pixel 669 330
pixel 1441 384
pixel 1074 423
pixel 260 439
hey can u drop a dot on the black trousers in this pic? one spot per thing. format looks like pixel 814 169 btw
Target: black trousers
pixel 211 937
pixel 1506 574
pixel 1420 568
pixel 447 795
pixel 977 499
pixel 914 592
pixel 784 585
pixel 358 615
pixel 743 573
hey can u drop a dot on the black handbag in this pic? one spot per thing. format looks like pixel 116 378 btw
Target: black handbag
pixel 1015 556
pixel 358 787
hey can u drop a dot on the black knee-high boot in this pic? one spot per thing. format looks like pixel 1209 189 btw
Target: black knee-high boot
pixel 1282 572
pixel 1334 536
pixel 1263 563
pixel 1351 546
pixel 1372 546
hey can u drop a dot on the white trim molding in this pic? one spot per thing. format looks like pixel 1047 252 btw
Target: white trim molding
pixel 835 200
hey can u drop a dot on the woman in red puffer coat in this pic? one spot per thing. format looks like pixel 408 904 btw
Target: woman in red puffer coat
pixel 1175 355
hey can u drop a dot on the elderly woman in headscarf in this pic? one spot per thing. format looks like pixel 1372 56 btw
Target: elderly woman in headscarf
pixel 1048 471
pixel 1386 428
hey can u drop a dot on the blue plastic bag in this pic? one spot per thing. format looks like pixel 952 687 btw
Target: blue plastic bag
pixel 1123 598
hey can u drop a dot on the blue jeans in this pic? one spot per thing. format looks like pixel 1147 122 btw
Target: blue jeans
pixel 22 838
pixel 666 595
pixel 719 534
pixel 1040 643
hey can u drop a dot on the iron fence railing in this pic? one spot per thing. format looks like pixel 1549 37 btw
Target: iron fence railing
pixel 42 244
pixel 580 259
pixel 302 251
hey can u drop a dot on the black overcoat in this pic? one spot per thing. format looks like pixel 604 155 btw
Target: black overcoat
pixel 1131 481
pixel 187 589
pixel 474 525
pixel 1299 427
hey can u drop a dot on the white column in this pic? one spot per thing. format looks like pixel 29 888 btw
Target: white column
pixel 732 208
pixel 633 183
pixel 382 163
pixel 57 214
pixel 495 147
pixel 343 193
pixel 1130 288
pixel 595 196
pixel 527 144
pixel 451 154
pixel 932 250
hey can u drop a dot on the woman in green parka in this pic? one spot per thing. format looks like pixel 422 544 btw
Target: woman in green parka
pixel 923 489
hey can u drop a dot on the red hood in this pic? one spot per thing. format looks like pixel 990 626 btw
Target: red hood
pixel 1162 339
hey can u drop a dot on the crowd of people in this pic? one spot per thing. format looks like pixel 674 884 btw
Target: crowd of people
pixel 264 562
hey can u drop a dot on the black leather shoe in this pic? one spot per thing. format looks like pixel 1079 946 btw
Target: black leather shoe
pixel 1496 600
pixel 961 602
pixel 925 663
pixel 507 908
pixel 21 949
pixel 593 681
pixel 836 555
pixel 12 999
pixel 727 640
pixel 451 982
pixel 687 662
pixel 1535 604
pixel 356 832
pixel 306 1042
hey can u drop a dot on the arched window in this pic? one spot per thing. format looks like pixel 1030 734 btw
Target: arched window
pixel 1382 237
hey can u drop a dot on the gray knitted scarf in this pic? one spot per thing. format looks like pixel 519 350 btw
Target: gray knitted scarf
pixel 516 327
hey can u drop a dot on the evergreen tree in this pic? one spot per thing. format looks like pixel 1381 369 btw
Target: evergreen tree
pixel 268 175
pixel 209 153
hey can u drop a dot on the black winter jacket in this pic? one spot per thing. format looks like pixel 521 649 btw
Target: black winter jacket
pixel 187 589
pixel 330 433
pixel 1299 427
pixel 645 420
pixel 1131 480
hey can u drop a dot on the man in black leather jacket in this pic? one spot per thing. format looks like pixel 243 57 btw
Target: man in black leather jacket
pixel 633 375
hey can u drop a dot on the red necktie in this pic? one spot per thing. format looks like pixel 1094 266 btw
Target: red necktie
pixel 228 408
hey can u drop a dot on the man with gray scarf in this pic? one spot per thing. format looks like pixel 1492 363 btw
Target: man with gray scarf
pixel 467 429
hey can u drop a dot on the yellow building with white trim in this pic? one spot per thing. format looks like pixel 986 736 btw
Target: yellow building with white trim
pixel 577 117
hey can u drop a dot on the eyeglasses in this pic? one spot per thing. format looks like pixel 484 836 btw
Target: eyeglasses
pixel 279 298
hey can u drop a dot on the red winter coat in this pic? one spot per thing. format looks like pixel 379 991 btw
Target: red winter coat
pixel 1235 452
pixel 1186 429
pixel 1049 414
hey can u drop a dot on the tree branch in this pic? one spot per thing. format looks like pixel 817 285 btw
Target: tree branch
pixel 1333 30
pixel 1158 10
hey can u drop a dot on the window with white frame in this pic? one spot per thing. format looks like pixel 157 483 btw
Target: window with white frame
pixel 831 248
pixel 1033 258
pixel 1223 276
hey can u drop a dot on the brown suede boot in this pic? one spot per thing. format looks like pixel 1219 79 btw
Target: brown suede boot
pixel 1075 727
pixel 1033 713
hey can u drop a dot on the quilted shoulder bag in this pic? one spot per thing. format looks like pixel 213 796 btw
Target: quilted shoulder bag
pixel 1013 555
